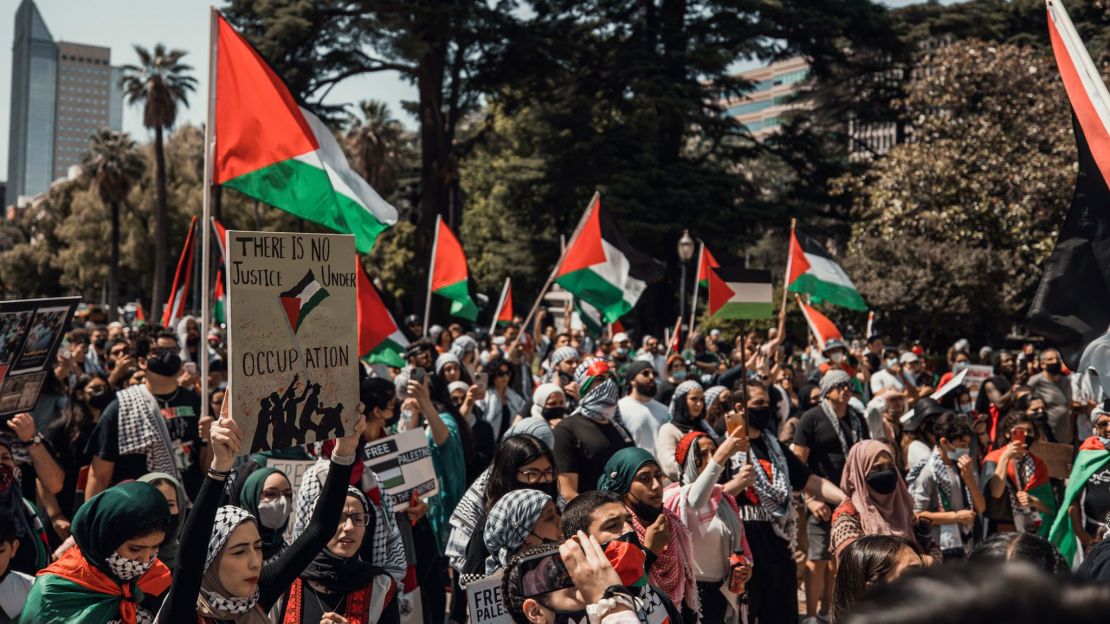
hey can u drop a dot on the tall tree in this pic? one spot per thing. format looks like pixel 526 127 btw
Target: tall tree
pixel 159 83
pixel 377 145
pixel 114 166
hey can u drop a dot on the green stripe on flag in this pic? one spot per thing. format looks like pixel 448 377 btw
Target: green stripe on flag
pixel 1062 534
pixel 462 305
pixel 389 353
pixel 740 310
pixel 317 297
pixel 835 294
pixel 304 190
pixel 598 292
pixel 218 311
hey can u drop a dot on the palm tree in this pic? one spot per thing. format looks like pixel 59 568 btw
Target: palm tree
pixel 160 82
pixel 376 145
pixel 114 165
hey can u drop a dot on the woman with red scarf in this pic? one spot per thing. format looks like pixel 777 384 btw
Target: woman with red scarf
pixel 1015 481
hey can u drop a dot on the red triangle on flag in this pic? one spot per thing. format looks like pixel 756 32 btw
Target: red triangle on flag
pixel 585 248
pixel 505 314
pixel 292 307
pixel 719 292
pixel 618 327
pixel 798 263
pixel 823 329
pixel 375 323
pixel 449 263
pixel 707 262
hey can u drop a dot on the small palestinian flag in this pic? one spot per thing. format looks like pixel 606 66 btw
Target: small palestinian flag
pixel 601 268
pixel 389 474
pixel 1037 485
pixel 380 339
pixel 450 278
pixel 1092 458
pixel 299 300
pixel 504 314
pixel 175 308
pixel 270 149
pixel 740 294
pixel 810 270
pixel 823 329
pixel 706 261
pixel 219 307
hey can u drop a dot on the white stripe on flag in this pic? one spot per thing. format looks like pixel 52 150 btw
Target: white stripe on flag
pixel 828 271
pixel 1081 60
pixel 615 271
pixel 748 292
pixel 309 290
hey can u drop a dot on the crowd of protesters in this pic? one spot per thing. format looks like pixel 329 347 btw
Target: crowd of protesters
pixel 746 480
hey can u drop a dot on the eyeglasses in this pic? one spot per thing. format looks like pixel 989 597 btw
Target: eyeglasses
pixel 357 519
pixel 533 476
pixel 271 494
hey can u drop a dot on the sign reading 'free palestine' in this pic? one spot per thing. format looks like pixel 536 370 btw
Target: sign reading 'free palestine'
pixel 292 336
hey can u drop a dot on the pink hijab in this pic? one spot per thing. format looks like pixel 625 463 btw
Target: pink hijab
pixel 879 514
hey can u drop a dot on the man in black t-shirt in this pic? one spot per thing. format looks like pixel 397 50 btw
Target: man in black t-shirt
pixel 586 439
pixel 150 427
pixel 824 435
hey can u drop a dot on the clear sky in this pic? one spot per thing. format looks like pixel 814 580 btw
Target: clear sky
pixel 183 24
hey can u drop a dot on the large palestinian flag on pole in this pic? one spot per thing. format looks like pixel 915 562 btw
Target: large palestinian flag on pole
pixel 269 148
pixel 1092 458
pixel 175 309
pixel 450 278
pixel 602 269
pixel 380 339
pixel 814 272
pixel 823 329
pixel 1070 305
pixel 740 294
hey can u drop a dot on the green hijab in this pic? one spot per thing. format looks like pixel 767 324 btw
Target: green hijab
pixel 168 552
pixel 272 539
pixel 621 469
pixel 114 516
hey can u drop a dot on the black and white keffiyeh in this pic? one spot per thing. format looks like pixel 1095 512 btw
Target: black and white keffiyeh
pixel 773 491
pixel 509 523
pixel 855 427
pixel 143 431
pixel 464 521
pixel 227 518
pixel 212 602
pixel 943 478
pixel 126 569
pixel 222 606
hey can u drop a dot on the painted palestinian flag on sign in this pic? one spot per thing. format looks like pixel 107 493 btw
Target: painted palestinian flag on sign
pixel 1091 459
pixel 740 294
pixel 269 148
pixel 814 272
pixel 823 329
pixel 175 308
pixel 299 300
pixel 380 339
pixel 602 269
pixel 450 278
pixel 706 261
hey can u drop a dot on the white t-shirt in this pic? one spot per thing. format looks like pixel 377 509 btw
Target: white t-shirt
pixel 884 379
pixel 13 592
pixel 643 420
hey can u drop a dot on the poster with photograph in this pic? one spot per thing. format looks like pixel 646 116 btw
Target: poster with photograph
pixel 30 332
pixel 292 336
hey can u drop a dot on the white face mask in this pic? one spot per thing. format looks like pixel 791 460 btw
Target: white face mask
pixel 273 514
pixel 966 408
pixel 837 357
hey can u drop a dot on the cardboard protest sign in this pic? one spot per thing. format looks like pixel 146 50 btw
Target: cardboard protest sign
pixel 976 375
pixel 483 599
pixel 30 332
pixel 1057 457
pixel 403 463
pixel 292 336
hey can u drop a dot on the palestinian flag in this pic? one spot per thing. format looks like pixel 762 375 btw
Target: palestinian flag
pixel 504 315
pixel 175 308
pixel 810 270
pixel 1038 487
pixel 274 151
pixel 706 261
pixel 299 300
pixel 823 329
pixel 1069 307
pixel 601 268
pixel 590 317
pixel 380 339
pixel 740 294
pixel 449 277
pixel 219 307
pixel 1092 458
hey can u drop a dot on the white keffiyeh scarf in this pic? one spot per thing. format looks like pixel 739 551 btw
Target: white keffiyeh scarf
pixel 143 431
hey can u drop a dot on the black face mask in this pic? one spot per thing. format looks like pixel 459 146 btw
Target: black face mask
pixel 883 481
pixel 171 528
pixel 100 344
pixel 646 389
pixel 163 362
pixel 101 400
pixel 646 513
pixel 551 413
pixel 1054 368
pixel 759 418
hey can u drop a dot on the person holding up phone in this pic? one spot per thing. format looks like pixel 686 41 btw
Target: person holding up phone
pixel 1015 481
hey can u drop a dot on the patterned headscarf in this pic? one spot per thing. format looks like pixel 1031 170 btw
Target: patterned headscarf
pixel 680 414
pixel 712 395
pixel 561 354
pixel 534 426
pixel 215 602
pixel 446 358
pixel 599 391
pixel 463 344
pixel 509 523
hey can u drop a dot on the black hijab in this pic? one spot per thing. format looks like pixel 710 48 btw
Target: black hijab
pixel 341 576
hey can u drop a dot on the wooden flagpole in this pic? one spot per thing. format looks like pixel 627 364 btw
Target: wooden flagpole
pixel 500 302
pixel 206 208
pixel 431 272
pixel 786 277
pixel 697 274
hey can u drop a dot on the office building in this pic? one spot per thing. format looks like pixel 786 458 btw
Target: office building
pixel 62 93
pixel 761 108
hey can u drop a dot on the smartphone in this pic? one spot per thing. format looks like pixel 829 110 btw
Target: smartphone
pixel 191 368
pixel 1018 435
pixel 482 381
pixel 417 375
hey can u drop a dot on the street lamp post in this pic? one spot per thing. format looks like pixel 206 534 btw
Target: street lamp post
pixel 685 253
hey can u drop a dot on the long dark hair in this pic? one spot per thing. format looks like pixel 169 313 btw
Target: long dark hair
pixel 863 565
pixel 1015 546
pixel 77 417
pixel 513 452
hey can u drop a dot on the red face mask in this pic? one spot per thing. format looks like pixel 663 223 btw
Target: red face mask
pixel 628 559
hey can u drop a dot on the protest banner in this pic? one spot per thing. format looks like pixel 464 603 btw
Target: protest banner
pixel 31 331
pixel 292 333
pixel 976 375
pixel 1057 457
pixel 403 463
pixel 483 599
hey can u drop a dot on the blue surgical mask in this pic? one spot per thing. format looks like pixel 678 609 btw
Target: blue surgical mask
pixel 679 374
pixel 956 453
pixel 965 408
